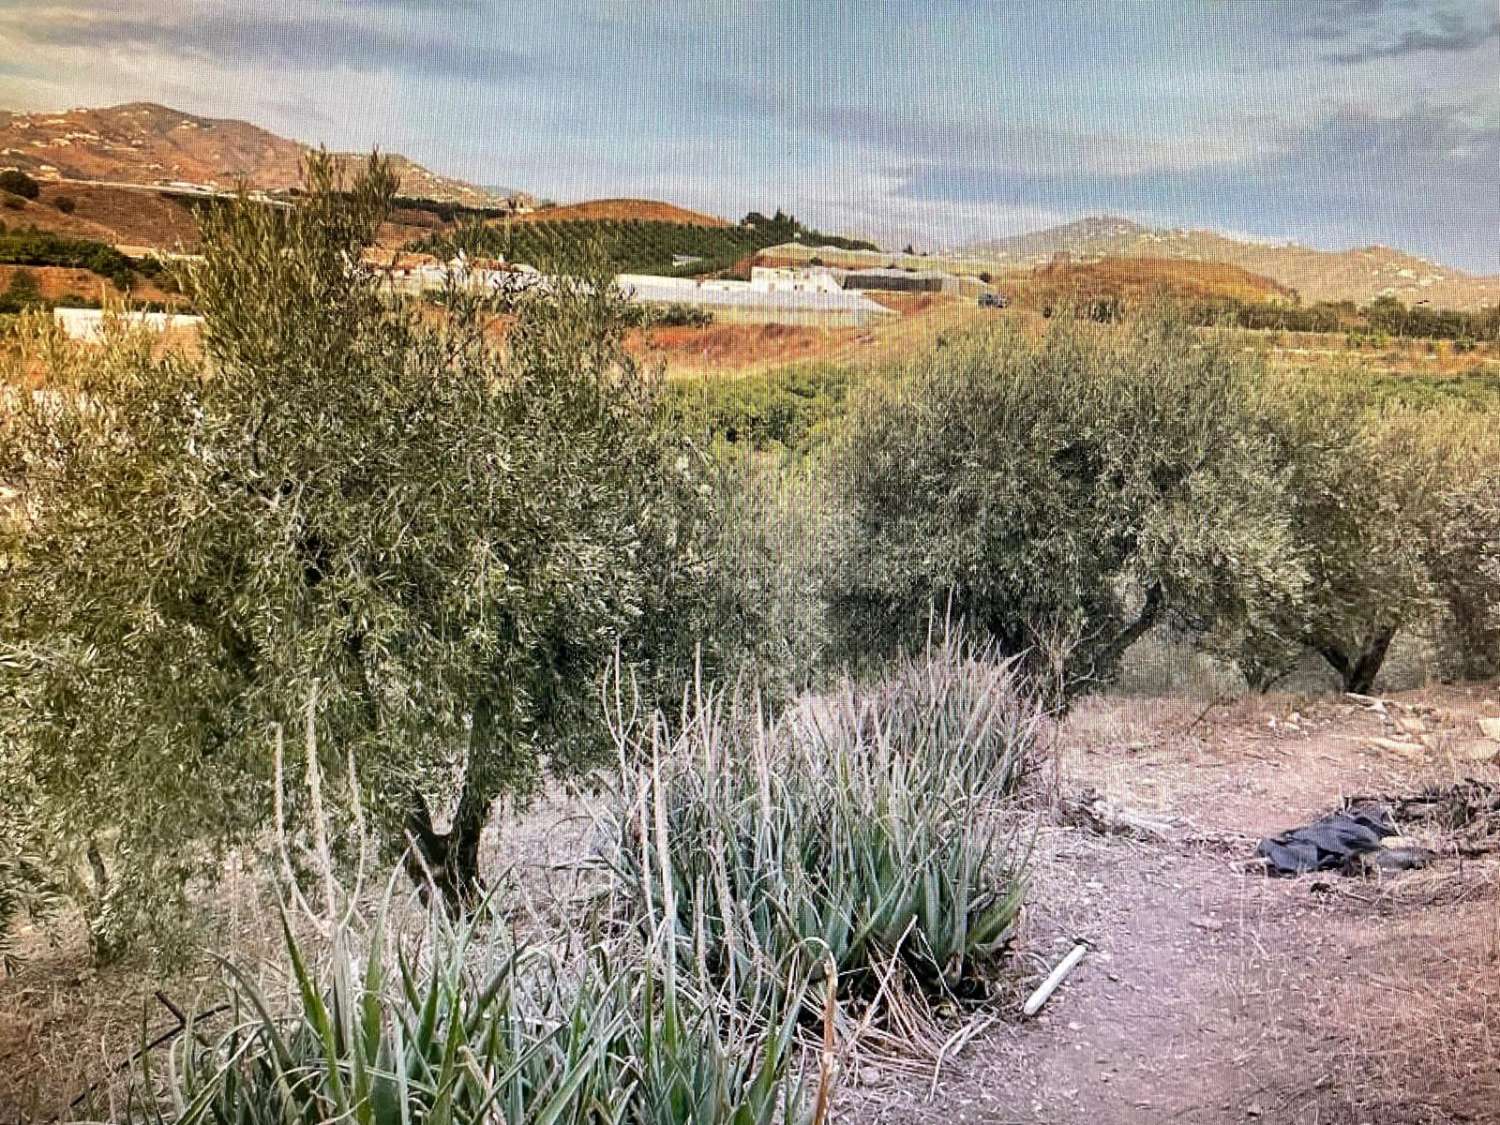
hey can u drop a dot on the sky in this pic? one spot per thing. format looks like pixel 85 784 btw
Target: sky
pixel 1333 123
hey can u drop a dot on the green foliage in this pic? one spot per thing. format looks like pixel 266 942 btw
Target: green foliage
pixel 625 246
pixel 22 293
pixel 1356 492
pixel 1385 316
pixel 1463 559
pixel 37 248
pixel 790 407
pixel 860 827
pixel 16 182
pixel 1072 491
pixel 679 314
pixel 345 507
pixel 1471 391
pixel 467 1027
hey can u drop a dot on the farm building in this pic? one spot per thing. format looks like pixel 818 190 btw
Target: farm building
pixel 770 279
pixel 757 301
pixel 900 281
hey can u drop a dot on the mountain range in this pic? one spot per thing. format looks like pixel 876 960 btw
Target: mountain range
pixel 1358 275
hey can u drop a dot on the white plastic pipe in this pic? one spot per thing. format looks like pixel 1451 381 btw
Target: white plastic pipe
pixel 1055 978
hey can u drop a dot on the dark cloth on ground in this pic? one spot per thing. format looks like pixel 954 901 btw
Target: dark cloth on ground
pixel 1327 843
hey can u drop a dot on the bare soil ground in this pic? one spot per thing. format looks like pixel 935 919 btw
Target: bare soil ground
pixel 1210 994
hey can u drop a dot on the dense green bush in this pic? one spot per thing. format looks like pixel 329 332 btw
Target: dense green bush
pixel 348 509
pixel 22 293
pixel 18 183
pixel 1356 491
pixel 1463 559
pixel 37 248
pixel 1385 316
pixel 1072 492
pixel 680 314
pixel 790 407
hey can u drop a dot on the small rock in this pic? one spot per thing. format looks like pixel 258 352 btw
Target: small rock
pixel 1209 924
pixel 1491 728
pixel 1253 1110
pixel 1477 750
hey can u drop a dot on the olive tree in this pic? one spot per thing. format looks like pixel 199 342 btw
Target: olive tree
pixel 1359 492
pixel 349 507
pixel 1463 559
pixel 1084 486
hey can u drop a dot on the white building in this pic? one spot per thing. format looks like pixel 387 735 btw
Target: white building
pixel 88 324
pixel 756 301
pixel 775 279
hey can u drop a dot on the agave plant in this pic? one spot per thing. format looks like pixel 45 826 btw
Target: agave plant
pixel 860 833
pixel 477 1029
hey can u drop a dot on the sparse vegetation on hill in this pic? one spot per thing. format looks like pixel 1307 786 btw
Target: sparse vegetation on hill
pixel 145 143
pixel 623 210
pixel 1361 275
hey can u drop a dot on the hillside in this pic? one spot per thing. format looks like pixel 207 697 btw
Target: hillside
pixel 1358 275
pixel 145 143
pixel 1137 278
pixel 623 210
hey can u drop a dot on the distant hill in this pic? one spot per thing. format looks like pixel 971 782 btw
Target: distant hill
pixel 1318 275
pixel 624 210
pixel 145 143
pixel 1141 278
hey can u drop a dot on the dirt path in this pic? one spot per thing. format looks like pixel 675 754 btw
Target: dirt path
pixel 1212 994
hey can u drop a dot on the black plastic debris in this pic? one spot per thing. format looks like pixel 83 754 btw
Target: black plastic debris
pixel 1326 844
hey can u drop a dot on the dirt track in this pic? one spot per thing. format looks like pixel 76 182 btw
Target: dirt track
pixel 1215 995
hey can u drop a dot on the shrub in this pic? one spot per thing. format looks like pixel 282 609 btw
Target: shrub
pixel 440 543
pixel 18 183
pixel 1081 488
pixel 65 203
pixel 679 314
pixel 36 248
pixel 22 292
pixel 862 827
pixel 791 407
